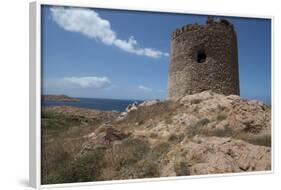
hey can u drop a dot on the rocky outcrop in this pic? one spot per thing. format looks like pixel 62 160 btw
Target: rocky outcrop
pixel 213 155
pixel 135 106
pixel 204 133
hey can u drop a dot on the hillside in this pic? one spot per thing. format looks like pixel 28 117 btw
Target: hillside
pixel 205 133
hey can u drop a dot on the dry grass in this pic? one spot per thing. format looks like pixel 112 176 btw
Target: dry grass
pixel 129 152
pixel 148 112
pixel 196 128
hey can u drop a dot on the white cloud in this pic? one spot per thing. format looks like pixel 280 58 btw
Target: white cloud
pixel 85 82
pixel 145 88
pixel 90 24
pixel 84 21
pixel 131 46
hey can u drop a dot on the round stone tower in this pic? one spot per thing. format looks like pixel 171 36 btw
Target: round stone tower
pixel 203 57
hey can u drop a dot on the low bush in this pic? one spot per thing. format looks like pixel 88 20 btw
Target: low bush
pixel 160 150
pixel 129 152
pixel 83 169
pixel 195 101
pixel 176 138
pixel 264 140
pixel 181 169
pixel 147 168
pixel 225 132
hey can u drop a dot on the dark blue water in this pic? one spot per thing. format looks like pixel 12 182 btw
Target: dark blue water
pixel 94 103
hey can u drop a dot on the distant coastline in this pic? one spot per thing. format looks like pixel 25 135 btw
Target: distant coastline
pixel 93 103
pixel 60 98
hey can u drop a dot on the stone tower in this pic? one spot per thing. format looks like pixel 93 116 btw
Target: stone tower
pixel 203 57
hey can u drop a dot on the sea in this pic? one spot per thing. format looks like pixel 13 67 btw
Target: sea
pixel 94 103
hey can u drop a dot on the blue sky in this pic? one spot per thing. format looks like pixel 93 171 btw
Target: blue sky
pixel 118 54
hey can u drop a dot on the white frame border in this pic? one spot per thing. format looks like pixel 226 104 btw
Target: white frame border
pixel 35 94
pixel 35 90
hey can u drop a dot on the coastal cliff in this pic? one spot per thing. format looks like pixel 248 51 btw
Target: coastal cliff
pixel 204 133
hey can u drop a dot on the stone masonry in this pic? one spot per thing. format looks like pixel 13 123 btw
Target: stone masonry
pixel 203 57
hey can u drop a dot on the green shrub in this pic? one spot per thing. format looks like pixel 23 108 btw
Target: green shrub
pixel 225 132
pixel 181 169
pixel 158 151
pixel 264 140
pixel 147 168
pixel 195 101
pixel 83 169
pixel 202 122
pixel 176 138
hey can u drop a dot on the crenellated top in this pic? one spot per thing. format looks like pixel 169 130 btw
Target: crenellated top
pixel 210 24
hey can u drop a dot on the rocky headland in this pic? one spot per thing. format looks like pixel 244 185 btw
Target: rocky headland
pixel 62 98
pixel 204 133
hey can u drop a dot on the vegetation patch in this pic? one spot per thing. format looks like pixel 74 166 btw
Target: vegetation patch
pixel 221 116
pixel 176 138
pixel 196 128
pixel 160 150
pixel 83 169
pixel 54 123
pixel 264 140
pixel 202 122
pixel 146 113
pixel 225 132
pixel 181 169
pixel 195 101
pixel 147 168
pixel 129 152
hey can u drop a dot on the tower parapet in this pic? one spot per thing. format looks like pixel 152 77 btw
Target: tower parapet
pixel 222 24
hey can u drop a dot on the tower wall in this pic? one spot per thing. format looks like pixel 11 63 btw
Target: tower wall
pixel 203 57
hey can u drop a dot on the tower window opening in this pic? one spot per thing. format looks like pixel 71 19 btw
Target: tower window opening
pixel 201 56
